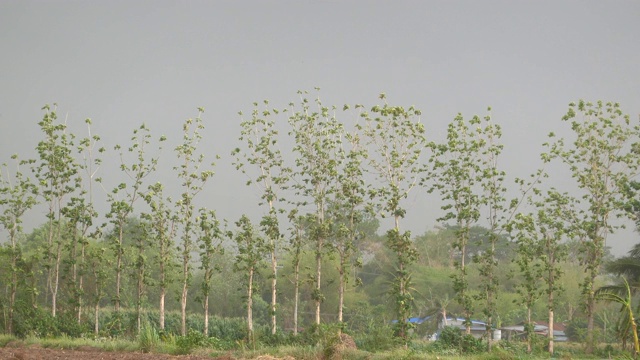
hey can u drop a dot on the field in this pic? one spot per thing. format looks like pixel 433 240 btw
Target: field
pixel 37 353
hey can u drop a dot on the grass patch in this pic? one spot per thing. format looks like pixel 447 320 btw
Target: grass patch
pixel 5 339
pixel 68 343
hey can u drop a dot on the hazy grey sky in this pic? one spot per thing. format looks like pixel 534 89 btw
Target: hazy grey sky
pixel 122 63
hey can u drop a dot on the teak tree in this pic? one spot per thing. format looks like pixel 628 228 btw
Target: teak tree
pixel 296 247
pixel 123 197
pixel 97 261
pixel 493 200
pixel 57 175
pixel 193 179
pixel 348 209
pixel 457 174
pixel 396 139
pixel 251 250
pixel 260 137
pixel 541 249
pixel 317 136
pixel 17 196
pixel 210 244
pixel 81 214
pixel 603 156
pixel 162 230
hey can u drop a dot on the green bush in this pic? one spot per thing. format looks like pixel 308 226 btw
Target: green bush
pixel 194 340
pixel 148 339
pixel 377 338
pixel 36 322
pixel 451 337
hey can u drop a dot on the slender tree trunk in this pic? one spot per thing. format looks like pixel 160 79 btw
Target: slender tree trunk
pixel 162 289
pixel 183 298
pixel 274 268
pixel 318 299
pixel 319 245
pixel 14 278
pixel 56 280
pixel 551 327
pixel 529 334
pixel 550 301
pixel 206 315
pixel 296 296
pixel 139 304
pixel 81 281
pixel 12 296
pixel 250 306
pixel 96 318
pixel 590 323
pixel 74 271
pixel 116 302
pixel 49 261
pixel 162 296
pixel 467 312
pixel 341 292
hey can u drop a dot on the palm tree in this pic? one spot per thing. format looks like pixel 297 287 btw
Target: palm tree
pixel 628 268
pixel 622 295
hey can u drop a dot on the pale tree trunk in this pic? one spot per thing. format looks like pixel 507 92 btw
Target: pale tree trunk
pixel 402 288
pixel 12 297
pixel 467 328
pixel 183 298
pixel 551 326
pixel 56 281
pixel 50 264
pixel 116 303
pixel 274 271
pixel 139 304
pixel 163 290
pixel 14 277
pixel 529 335
pixel 490 295
pixel 74 272
pixel 96 318
pixel 162 296
pixel 319 244
pixel 206 315
pixel 318 279
pixel 274 268
pixel 341 293
pixel 250 306
pixel 296 298
pixel 590 323
pixel 550 301
pixel 81 281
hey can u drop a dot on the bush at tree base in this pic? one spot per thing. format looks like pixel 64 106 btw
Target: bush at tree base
pixel 451 337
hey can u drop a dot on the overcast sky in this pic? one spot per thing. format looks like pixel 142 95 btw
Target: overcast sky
pixel 122 63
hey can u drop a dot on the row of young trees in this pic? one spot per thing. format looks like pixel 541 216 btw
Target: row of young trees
pixel 333 177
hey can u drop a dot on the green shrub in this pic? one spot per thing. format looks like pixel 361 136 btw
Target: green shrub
pixel 194 340
pixel 148 339
pixel 36 322
pixel 451 337
pixel 377 338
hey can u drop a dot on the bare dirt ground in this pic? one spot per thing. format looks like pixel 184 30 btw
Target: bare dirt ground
pixel 36 353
